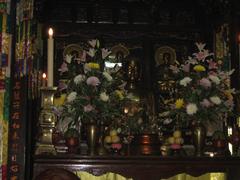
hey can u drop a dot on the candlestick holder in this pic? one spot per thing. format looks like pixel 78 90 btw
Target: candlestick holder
pixel 47 121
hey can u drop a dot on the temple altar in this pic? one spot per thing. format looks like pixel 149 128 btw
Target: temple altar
pixel 141 167
pixel 143 39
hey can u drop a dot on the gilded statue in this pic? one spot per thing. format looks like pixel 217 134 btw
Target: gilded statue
pixel 164 75
pixel 165 84
pixel 132 73
pixel 133 107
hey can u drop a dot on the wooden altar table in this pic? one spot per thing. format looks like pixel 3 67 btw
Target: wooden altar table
pixel 140 167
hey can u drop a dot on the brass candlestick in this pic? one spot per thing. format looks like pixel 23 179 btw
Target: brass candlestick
pixel 47 121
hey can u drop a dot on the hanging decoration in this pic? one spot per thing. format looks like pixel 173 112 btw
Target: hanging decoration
pixel 23 85
pixel 5 54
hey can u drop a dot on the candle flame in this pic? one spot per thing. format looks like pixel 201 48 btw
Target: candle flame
pixel 50 32
pixel 44 76
pixel 211 154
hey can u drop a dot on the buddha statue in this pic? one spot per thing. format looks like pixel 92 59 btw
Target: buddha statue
pixel 132 75
pixel 165 84
pixel 165 81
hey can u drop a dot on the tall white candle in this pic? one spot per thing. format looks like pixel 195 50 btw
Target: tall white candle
pixel 50 58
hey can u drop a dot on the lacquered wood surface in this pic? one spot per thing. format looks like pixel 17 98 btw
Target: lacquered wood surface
pixel 141 167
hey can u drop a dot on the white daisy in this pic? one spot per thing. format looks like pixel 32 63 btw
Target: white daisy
pixel 185 81
pixel 216 100
pixel 79 78
pixel 191 108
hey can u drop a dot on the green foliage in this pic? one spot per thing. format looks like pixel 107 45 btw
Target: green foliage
pixel 71 132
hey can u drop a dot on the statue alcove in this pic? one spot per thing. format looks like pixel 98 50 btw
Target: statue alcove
pixel 139 25
pixel 141 39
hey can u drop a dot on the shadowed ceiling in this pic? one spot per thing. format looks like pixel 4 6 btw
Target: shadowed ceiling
pixel 163 12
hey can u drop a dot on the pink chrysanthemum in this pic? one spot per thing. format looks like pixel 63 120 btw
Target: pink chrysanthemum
pixel 93 81
pixel 205 83
pixel 186 68
pixel 206 103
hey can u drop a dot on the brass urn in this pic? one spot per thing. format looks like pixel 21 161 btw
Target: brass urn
pixel 199 137
pixel 92 134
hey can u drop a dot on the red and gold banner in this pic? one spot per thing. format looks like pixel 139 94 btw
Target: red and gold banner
pixel 5 54
pixel 21 81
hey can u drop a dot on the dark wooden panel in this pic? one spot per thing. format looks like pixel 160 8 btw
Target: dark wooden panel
pixel 139 167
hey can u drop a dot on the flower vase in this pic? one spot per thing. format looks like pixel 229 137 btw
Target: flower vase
pixel 101 150
pixel 92 138
pixel 199 136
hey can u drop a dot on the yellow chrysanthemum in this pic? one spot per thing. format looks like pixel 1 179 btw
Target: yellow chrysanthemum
pixel 199 68
pixel 93 65
pixel 179 103
pixel 119 94
pixel 59 100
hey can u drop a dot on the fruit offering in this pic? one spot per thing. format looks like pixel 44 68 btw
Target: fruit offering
pixel 176 138
pixel 113 141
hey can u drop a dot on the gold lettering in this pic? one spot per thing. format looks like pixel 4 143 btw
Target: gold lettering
pixel 14 168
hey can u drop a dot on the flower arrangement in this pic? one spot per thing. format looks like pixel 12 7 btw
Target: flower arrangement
pixel 92 94
pixel 137 118
pixel 203 89
pixel 141 123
